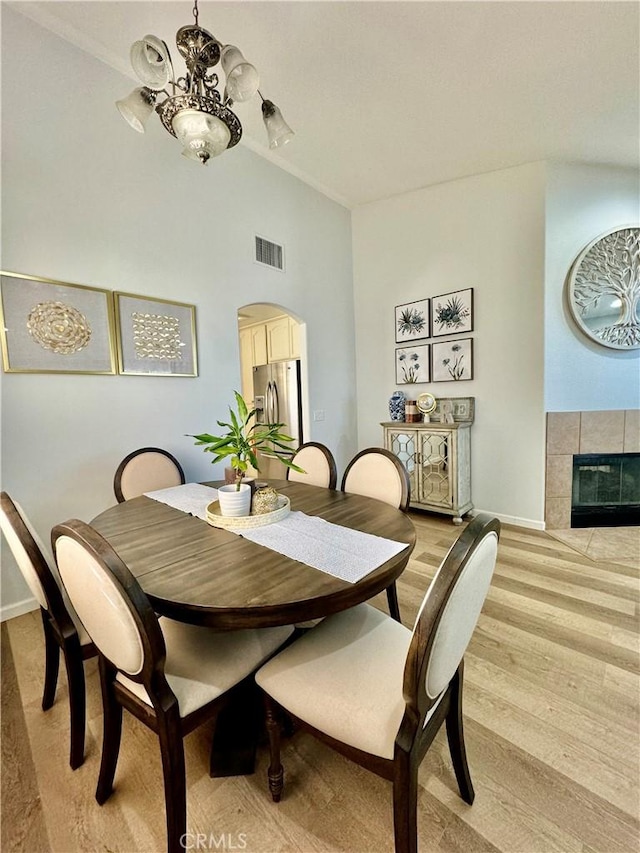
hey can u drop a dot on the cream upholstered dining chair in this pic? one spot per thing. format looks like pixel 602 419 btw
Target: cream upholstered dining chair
pixel 318 465
pixel 63 631
pixel 146 470
pixel 377 473
pixel 169 675
pixel 378 692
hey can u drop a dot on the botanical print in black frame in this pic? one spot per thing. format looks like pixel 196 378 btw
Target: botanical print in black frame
pixel 452 361
pixel 412 321
pixel 452 313
pixel 412 365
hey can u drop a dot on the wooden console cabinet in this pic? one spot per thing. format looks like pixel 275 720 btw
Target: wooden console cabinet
pixel 437 457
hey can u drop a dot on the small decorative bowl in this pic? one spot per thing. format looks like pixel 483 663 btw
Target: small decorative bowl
pixel 264 500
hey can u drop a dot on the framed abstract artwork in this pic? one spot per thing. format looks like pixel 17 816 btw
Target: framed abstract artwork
pixel 50 326
pixel 452 313
pixel 156 337
pixel 412 321
pixel 412 365
pixel 452 361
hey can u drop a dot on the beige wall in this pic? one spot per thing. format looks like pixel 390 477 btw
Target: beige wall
pixel 87 200
pixel 582 203
pixel 485 232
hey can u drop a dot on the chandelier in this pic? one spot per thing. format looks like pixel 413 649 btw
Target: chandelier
pixel 192 109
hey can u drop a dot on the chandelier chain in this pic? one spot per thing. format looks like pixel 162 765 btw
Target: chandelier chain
pixel 195 11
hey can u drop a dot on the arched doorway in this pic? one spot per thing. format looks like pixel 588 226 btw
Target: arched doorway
pixel 273 349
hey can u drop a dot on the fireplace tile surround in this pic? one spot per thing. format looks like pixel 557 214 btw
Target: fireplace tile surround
pixel 570 433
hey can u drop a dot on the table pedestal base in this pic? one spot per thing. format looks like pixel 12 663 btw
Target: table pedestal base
pixel 236 733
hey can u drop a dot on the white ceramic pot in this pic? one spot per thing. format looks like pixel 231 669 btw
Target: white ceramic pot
pixel 234 502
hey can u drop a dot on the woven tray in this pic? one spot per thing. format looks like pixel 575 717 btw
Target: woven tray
pixel 246 522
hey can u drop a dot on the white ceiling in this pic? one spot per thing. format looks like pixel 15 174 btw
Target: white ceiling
pixel 388 97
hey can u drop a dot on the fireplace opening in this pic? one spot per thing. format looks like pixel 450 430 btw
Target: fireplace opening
pixel 606 490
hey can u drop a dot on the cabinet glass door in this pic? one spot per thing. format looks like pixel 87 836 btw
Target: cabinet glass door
pixel 404 445
pixel 434 469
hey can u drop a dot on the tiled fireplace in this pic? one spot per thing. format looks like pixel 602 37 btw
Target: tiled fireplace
pixel 575 433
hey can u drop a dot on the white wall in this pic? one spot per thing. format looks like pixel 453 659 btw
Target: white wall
pixel 485 232
pixel 87 200
pixel 582 203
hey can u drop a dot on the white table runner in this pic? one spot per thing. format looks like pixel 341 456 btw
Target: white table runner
pixel 192 498
pixel 344 553
pixel 347 554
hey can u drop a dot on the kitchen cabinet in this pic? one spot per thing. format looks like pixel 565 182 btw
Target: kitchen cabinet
pixel 264 343
pixel 278 339
pixel 275 340
pixel 253 346
pixel 253 353
pixel 259 345
pixel 437 457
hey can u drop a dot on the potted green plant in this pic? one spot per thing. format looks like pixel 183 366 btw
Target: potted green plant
pixel 239 445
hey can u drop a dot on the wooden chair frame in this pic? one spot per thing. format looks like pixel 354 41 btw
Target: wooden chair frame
pixel 117 480
pixel 163 716
pixel 392 590
pixel 60 635
pixel 328 455
pixel 414 737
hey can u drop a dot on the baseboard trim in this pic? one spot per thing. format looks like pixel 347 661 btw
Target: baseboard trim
pixel 530 523
pixel 18 609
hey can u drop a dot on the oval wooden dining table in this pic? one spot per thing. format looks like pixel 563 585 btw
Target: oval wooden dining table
pixel 204 575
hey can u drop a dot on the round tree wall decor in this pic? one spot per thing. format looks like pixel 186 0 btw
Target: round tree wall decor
pixel 604 289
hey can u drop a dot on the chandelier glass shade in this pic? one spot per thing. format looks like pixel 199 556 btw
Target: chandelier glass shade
pixel 137 107
pixel 200 133
pixel 278 131
pixel 191 108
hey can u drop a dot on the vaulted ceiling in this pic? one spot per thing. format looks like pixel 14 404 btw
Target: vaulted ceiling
pixel 388 97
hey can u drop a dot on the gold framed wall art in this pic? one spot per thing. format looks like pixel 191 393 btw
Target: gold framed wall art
pixel 50 326
pixel 155 337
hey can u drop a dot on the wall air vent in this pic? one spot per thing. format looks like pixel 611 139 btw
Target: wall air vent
pixel 270 254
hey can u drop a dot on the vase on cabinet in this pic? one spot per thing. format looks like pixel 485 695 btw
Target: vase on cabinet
pixel 396 406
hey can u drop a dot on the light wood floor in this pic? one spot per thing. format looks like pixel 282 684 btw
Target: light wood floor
pixel 552 730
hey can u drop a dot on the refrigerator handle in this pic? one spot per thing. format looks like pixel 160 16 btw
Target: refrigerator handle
pixel 269 406
pixel 275 403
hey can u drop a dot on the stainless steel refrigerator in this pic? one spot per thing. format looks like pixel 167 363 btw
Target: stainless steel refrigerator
pixel 277 399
